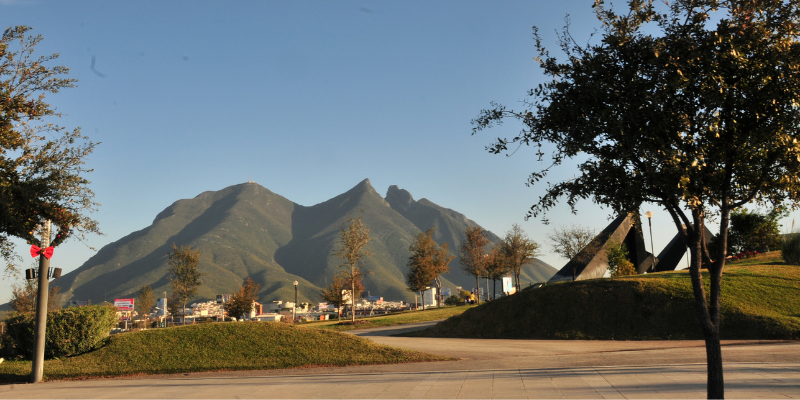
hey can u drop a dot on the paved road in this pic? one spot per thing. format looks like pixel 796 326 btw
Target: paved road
pixel 486 369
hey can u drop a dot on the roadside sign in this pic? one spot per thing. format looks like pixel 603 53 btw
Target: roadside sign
pixel 124 304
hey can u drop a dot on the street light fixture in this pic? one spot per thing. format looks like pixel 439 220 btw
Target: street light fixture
pixel 649 215
pixel 294 309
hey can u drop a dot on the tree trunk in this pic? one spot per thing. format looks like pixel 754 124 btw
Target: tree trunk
pixel 478 288
pixel 352 293
pixel 709 319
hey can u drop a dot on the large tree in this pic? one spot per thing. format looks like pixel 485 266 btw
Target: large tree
pixel 353 241
pixel 183 273
pixel 427 263
pixel 518 249
pixel 693 108
pixel 473 255
pixel 41 163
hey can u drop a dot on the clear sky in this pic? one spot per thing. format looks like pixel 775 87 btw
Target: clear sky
pixel 306 98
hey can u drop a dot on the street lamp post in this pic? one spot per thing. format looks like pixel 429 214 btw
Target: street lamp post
pixel 294 309
pixel 649 215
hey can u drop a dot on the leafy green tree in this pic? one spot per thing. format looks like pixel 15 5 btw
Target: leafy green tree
pixel 752 231
pixel 568 242
pixel 41 163
pixel 427 263
pixel 242 301
pixel 517 249
pixel 145 302
pixel 693 108
pixel 184 276
pixel 473 254
pixel 617 257
pixel 353 242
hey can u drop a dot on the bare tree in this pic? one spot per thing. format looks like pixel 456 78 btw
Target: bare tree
pixel 353 240
pixel 518 249
pixel 569 242
pixel 473 254
pixel 23 297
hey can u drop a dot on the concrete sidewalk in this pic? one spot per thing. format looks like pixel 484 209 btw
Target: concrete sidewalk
pixel 485 369
pixel 764 380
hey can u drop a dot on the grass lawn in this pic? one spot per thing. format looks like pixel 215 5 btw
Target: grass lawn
pixel 401 318
pixel 760 300
pixel 217 347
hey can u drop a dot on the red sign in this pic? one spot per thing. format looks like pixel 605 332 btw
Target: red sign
pixel 124 304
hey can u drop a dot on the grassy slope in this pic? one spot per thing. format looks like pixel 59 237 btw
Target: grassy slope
pixel 406 317
pixel 217 347
pixel 760 300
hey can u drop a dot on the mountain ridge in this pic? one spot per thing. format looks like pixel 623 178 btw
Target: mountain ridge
pixel 246 230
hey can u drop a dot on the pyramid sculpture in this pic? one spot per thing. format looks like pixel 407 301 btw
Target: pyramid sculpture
pixel 591 262
pixel 671 256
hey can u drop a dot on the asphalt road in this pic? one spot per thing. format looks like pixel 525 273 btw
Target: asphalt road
pixel 485 369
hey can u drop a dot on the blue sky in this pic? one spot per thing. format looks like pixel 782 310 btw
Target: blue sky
pixel 305 98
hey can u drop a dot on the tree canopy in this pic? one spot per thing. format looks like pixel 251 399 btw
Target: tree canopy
pixel 41 164
pixel 473 254
pixel 427 263
pixel 516 250
pixel 242 301
pixel 353 241
pixel 692 105
pixel 184 275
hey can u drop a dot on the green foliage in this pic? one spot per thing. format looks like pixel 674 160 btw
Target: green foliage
pixel 145 301
pixel 41 163
pixel 618 259
pixel 762 302
pixel 70 331
pixel 752 231
pixel 453 300
pixel 231 346
pixel 790 249
pixel 691 106
pixel 242 301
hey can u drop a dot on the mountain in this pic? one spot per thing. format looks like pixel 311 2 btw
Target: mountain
pixel 248 231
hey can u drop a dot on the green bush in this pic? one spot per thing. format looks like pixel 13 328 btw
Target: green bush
pixel 790 249
pixel 70 331
pixel 453 300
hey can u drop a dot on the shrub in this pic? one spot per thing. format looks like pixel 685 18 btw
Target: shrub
pixel 790 249
pixel 70 331
pixel 453 300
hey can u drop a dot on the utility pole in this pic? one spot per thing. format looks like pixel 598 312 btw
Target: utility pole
pixel 37 370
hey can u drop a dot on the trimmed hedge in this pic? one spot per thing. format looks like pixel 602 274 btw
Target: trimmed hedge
pixel 70 331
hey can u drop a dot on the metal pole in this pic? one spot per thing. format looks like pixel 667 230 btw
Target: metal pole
pixel 294 309
pixel 652 249
pixel 37 370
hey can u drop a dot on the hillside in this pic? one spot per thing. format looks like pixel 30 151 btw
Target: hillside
pixel 759 302
pixel 248 231
pixel 216 347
